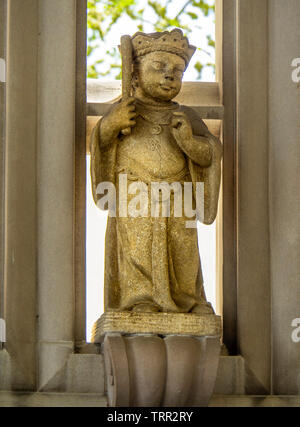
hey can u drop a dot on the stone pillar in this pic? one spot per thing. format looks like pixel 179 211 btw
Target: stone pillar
pixel 39 159
pixel 55 163
pixel 253 256
pixel 284 153
pixel 2 144
pixel 20 275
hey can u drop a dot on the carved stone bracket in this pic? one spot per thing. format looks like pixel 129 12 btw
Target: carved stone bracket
pixel 169 370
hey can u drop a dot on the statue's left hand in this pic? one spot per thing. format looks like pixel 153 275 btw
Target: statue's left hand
pixel 196 148
pixel 181 127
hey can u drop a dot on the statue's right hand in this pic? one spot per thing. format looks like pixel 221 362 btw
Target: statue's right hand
pixel 121 116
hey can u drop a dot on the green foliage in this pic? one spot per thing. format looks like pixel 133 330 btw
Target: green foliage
pixel 104 15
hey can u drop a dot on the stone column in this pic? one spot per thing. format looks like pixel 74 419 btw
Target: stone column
pixel 284 153
pixel 20 275
pixel 55 163
pixel 253 270
pixel 40 110
pixel 2 144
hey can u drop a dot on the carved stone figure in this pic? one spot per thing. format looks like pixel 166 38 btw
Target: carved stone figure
pixel 152 264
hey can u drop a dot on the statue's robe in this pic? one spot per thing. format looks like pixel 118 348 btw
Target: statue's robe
pixel 155 260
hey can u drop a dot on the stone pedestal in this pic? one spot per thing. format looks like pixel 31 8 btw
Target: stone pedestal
pixel 159 359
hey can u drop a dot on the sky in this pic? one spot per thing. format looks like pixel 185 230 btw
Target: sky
pixel 96 219
pixel 200 29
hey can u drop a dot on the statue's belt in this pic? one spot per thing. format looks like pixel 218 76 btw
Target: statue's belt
pixel 134 174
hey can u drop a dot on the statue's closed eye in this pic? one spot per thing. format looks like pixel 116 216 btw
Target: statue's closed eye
pixel 178 72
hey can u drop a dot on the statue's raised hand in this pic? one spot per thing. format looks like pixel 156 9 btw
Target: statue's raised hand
pixel 181 127
pixel 120 117
pixel 196 148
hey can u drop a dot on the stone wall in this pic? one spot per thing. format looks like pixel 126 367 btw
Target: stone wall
pixel 284 166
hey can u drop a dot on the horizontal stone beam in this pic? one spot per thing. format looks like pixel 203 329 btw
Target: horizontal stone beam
pixel 203 97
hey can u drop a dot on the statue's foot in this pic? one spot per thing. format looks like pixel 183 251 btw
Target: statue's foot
pixel 145 308
pixel 203 308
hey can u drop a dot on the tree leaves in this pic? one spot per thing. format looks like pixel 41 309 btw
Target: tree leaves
pixel 210 41
pixel 104 15
pixel 193 15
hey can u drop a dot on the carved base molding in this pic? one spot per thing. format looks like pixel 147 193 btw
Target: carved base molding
pixel 171 371
pixel 128 322
pixel 159 359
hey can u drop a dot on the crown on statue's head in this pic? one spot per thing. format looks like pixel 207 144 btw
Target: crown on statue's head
pixel 172 42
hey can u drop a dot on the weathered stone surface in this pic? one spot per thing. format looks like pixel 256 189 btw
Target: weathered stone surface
pixel 14 399
pixel 152 371
pixel 55 169
pixel 5 371
pixel 127 322
pixel 255 401
pixel 231 376
pixel 20 266
pixel 284 195
pixel 85 374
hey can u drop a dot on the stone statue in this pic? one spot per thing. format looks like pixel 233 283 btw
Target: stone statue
pixel 152 263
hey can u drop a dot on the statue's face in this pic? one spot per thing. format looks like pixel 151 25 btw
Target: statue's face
pixel 160 74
